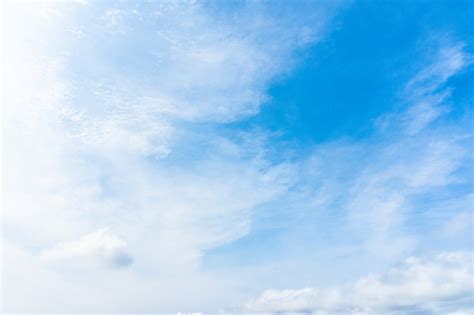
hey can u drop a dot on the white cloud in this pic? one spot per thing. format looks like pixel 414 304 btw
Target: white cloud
pixel 389 179
pixel 99 247
pixel 450 59
pixel 111 128
pixel 77 120
pixel 426 94
pixel 443 284
pixel 382 195
pixel 188 66
pixel 376 191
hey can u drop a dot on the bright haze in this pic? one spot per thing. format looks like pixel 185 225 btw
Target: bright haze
pixel 237 157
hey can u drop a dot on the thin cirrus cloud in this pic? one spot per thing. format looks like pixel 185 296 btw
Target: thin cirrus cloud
pixel 379 185
pixel 375 192
pixel 201 70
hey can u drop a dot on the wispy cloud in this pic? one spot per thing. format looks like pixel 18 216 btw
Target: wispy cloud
pixel 391 176
pixel 110 117
pixel 90 118
pixel 427 92
pixel 382 194
pixel 115 119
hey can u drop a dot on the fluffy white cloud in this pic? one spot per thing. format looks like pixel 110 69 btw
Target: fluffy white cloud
pixel 99 247
pixel 443 284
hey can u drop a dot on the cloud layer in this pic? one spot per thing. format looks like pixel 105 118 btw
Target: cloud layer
pixel 110 121
pixel 443 284
pixel 101 130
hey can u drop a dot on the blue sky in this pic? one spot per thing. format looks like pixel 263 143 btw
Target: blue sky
pixel 243 157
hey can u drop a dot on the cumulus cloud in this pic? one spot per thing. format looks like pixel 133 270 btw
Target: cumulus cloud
pixel 442 284
pixel 99 247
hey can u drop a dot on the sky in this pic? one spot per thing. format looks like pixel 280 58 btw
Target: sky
pixel 231 157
